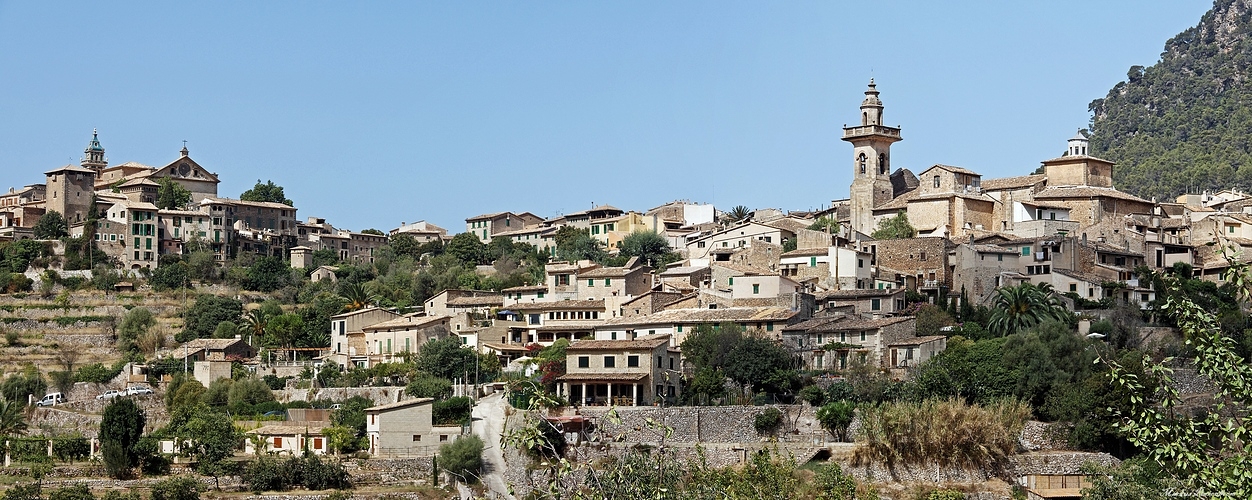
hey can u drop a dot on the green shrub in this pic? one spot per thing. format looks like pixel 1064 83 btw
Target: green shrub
pixel 463 458
pixel 768 420
pixel 428 386
pixel 178 488
pixel 943 494
pixel 71 449
pixel 75 492
pixel 97 373
pixel 121 495
pixel 452 411
pixel 311 472
pixel 27 491
pixel 814 395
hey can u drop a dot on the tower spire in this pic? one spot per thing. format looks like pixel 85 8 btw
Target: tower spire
pixel 93 156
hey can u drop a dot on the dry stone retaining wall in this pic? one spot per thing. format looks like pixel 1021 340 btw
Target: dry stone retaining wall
pixel 380 395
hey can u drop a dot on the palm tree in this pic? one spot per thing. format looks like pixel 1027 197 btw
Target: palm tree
pixel 738 213
pixel 12 417
pixel 1023 306
pixel 254 323
pixel 358 297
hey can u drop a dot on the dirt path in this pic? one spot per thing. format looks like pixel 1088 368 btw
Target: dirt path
pixel 488 424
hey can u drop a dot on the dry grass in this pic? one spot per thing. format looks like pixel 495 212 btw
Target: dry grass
pixel 948 433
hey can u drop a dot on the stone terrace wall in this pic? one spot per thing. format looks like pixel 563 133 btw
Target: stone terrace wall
pixel 380 395
pixel 705 424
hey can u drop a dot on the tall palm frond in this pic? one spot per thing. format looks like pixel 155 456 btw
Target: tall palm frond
pixel 357 296
pixel 12 417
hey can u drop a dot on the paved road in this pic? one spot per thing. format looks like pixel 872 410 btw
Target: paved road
pixel 488 424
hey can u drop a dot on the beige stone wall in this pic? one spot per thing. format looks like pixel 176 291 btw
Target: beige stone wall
pixel 808 238
pixel 907 256
pixel 930 214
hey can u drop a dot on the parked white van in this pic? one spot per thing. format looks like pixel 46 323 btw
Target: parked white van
pixel 50 399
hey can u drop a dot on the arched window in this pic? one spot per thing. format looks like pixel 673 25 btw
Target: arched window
pixel 864 118
pixel 882 163
pixel 860 160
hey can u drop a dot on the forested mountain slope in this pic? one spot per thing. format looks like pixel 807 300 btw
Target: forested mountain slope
pixel 1185 123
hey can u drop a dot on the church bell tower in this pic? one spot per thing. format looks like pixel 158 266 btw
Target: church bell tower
pixel 93 156
pixel 871 161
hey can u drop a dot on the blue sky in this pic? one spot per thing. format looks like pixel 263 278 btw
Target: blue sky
pixel 370 114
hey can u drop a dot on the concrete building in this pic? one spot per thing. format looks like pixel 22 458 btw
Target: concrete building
pixel 406 429
pixel 486 226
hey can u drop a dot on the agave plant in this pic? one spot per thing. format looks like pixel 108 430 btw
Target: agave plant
pixel 1023 306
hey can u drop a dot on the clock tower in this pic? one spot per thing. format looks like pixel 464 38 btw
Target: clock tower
pixel 871 161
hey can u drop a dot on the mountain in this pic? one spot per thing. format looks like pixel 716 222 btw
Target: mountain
pixel 1185 123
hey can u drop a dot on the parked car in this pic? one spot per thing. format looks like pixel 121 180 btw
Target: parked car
pixel 51 399
pixel 138 391
pixel 110 394
pixel 336 406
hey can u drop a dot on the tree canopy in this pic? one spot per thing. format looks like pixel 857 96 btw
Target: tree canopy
pixel 171 195
pixel 895 228
pixel 268 192
pixel 50 226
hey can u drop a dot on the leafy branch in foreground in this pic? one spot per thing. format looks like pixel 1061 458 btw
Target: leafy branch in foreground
pixel 1205 448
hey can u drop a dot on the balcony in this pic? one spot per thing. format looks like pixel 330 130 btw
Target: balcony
pixel 864 130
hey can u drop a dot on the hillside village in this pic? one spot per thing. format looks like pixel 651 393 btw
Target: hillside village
pixel 598 311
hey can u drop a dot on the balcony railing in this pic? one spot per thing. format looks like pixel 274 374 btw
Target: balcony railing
pixel 870 130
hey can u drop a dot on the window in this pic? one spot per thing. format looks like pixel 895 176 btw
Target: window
pixel 671 363
pixel 584 361
pixel 1230 229
pixel 1073 287
pixel 999 257
pixel 680 328
pixel 875 304
pixel 591 283
pixel 534 319
pixel 862 335
pixel 417 437
pixel 936 181
pixel 769 327
pixel 730 280
pixel 610 362
pixel 443 437
pixel 756 289
pixel 860 263
pixel 632 361
pixel 608 281
pixel 317 443
pixel 812 261
pixel 278 442
pixel 922 256
pixel 1025 251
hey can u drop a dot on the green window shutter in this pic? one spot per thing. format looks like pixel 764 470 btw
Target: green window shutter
pixel 1025 251
pixel 875 304
pixel 730 280
pixel 1000 257
pixel 769 327
pixel 756 288
pixel 607 281
pixel 136 242
pixel 591 282
pixel 541 295
pixel 680 328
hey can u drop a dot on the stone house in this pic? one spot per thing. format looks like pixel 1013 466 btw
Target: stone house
pixel 641 371
pixel 736 237
pixel 289 439
pixel 1009 192
pixel 469 308
pixel 677 323
pixel 912 352
pixel 69 191
pixel 486 226
pixel 685 278
pixel 546 322
pixel 924 258
pixel 177 227
pixel 527 294
pixel 980 269
pixel 406 429
pixel 392 340
pixel 833 342
pixel 875 301
pixel 948 202
pixel 347 334
pixel 562 278
pixel 585 219
pixel 141 245
pixel 324 273
pixel 540 237
pixel 848 267
pixel 420 231
pixel 649 303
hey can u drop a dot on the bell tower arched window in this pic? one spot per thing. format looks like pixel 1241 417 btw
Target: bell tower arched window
pixel 882 163
pixel 860 160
